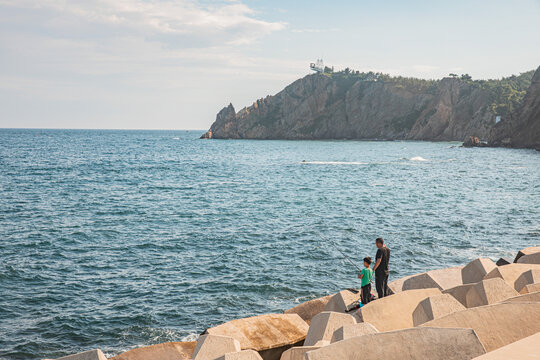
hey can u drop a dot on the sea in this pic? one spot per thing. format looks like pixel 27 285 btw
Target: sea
pixel 121 239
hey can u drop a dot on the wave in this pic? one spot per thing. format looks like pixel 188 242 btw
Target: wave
pixel 418 158
pixel 333 163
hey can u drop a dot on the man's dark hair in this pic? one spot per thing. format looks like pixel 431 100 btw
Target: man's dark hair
pixel 367 260
pixel 380 241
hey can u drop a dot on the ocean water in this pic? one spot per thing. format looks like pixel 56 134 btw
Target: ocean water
pixel 119 239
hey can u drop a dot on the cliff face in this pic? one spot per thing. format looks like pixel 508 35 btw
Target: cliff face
pixel 522 128
pixel 333 107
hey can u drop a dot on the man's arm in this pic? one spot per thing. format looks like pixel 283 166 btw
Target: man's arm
pixel 377 264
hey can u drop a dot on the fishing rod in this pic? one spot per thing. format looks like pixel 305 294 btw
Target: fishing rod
pixel 341 252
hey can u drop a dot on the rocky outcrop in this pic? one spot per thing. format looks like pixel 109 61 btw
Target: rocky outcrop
pixel 338 106
pixel 522 128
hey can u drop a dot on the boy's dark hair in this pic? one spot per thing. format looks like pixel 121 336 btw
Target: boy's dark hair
pixel 367 260
pixel 380 241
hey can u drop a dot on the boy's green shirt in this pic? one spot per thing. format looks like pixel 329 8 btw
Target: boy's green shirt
pixel 367 272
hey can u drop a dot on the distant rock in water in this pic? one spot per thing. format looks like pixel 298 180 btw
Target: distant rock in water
pixel 522 128
pixel 350 105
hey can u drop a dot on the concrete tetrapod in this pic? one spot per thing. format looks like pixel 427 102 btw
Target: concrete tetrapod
pixel 530 288
pixel 349 331
pixel 341 301
pixel 488 292
pixel 510 273
pixel 297 352
pixel 527 251
pixel 210 347
pixel 531 297
pixel 441 279
pixel 95 354
pixel 526 278
pixel 241 355
pixel 324 324
pixel 496 325
pixel 412 343
pixel 530 259
pixel 459 293
pixel 307 310
pixel 503 261
pixel 435 307
pixel 475 271
pixel 269 334
pixel 525 349
pixel 395 311
pixel 165 351
pixel 396 286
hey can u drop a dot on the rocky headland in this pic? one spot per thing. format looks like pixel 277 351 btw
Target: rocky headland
pixel 353 105
pixel 481 310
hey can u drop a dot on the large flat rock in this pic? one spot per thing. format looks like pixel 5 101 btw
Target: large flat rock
pixel 496 325
pixel 526 278
pixel 525 349
pixel 459 293
pixel 434 307
pixel 395 311
pixel 269 334
pixel 349 331
pixel 95 354
pixel 530 288
pixel 413 343
pixel 241 355
pixel 210 347
pixel 165 351
pixel 441 279
pixel 324 324
pixel 476 270
pixel 341 301
pixel 488 292
pixel 527 251
pixel 510 273
pixel 530 297
pixel 307 310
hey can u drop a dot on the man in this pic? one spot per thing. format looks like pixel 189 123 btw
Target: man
pixel 381 268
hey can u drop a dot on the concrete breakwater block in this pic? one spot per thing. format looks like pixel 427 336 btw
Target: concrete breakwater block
pixel 298 352
pixel 435 307
pixel 95 354
pixel 496 325
pixel 241 355
pixel 527 251
pixel 475 271
pixel 488 292
pixel 526 278
pixel 341 301
pixel 165 351
pixel 530 288
pixel 307 310
pixel 349 331
pixel 395 311
pixel 530 259
pixel 324 324
pixel 441 279
pixel 510 273
pixel 210 347
pixel 269 334
pixel 531 297
pixel 396 286
pixel 503 261
pixel 412 343
pixel 459 293
pixel 525 349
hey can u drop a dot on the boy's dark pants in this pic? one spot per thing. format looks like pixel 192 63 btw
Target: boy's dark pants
pixel 381 284
pixel 366 294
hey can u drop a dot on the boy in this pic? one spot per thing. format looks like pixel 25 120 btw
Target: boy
pixel 366 275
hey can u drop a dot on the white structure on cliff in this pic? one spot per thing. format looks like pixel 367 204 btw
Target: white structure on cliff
pixel 317 66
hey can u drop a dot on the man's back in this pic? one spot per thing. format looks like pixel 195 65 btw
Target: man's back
pixel 384 254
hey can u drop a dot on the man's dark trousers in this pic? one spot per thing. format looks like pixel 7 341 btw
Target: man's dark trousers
pixel 381 284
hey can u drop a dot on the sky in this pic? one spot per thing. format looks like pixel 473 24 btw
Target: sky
pixel 173 64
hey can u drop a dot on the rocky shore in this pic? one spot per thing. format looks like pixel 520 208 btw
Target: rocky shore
pixel 346 105
pixel 481 310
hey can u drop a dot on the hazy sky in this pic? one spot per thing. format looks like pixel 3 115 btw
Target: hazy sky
pixel 173 64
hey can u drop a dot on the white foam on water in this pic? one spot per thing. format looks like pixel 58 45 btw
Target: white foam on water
pixel 190 337
pixel 333 163
pixel 418 158
pixel 176 138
